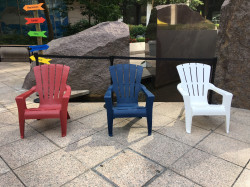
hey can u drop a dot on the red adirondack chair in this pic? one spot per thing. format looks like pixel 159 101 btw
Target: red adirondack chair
pixel 54 96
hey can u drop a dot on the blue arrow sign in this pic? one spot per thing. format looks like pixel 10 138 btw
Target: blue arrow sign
pixel 38 47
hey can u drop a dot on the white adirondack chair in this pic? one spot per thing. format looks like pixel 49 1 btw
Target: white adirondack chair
pixel 194 87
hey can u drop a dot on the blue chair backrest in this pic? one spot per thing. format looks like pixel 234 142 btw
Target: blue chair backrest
pixel 126 82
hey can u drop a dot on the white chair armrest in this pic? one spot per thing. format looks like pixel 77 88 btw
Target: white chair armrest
pixel 182 91
pixel 227 96
pixel 219 91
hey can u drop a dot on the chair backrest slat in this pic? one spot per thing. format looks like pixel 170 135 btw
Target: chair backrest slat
pixel 126 82
pixel 126 79
pixel 39 84
pixel 58 78
pixel 194 78
pixel 51 82
pixel 64 81
pixel 138 80
pixel 200 70
pixel 45 81
pixel 132 81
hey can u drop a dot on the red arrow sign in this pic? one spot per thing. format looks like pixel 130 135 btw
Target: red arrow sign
pixel 33 7
pixel 34 20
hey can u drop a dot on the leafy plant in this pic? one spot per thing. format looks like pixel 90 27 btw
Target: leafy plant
pixel 136 30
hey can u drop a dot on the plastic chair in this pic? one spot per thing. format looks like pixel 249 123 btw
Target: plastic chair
pixel 194 87
pixel 127 85
pixel 54 96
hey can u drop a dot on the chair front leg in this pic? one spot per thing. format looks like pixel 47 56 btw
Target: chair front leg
pixel 110 123
pixel 21 108
pixel 188 120
pixel 149 108
pixel 63 119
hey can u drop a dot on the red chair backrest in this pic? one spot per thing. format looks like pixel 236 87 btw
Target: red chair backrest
pixel 51 82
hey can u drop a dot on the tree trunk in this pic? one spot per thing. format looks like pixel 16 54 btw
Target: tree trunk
pixel 46 13
pixel 206 6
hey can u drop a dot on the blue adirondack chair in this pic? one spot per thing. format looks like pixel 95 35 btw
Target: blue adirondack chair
pixel 127 85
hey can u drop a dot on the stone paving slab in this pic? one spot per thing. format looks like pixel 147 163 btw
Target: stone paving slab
pixel 206 122
pixel 8 118
pixel 237 130
pixel 26 150
pixel 2 109
pixel 98 120
pixel 88 179
pixel 241 116
pixel 129 169
pixel 44 124
pixel 206 169
pixel 177 131
pixel 3 167
pixel 75 132
pixel 170 178
pixel 11 133
pixel 83 109
pixel 9 179
pixel 161 149
pixel 52 170
pixel 127 132
pixel 244 179
pixel 227 148
pixel 94 149
pixel 248 165
pixel 170 109
pixel 158 121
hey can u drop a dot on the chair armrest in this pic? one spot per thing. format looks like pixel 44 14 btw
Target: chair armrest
pixel 20 100
pixel 65 98
pixel 182 91
pixel 108 100
pixel 186 98
pixel 227 96
pixel 150 98
pixel 147 92
pixel 219 91
pixel 67 93
pixel 26 94
pixel 108 94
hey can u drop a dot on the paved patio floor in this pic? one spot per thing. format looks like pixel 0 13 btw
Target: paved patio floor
pixel 87 156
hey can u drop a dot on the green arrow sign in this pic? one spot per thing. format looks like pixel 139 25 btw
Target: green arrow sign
pixel 37 34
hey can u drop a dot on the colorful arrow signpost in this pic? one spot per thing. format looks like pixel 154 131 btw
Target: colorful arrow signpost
pixel 33 7
pixel 34 20
pixel 38 47
pixel 40 59
pixel 37 34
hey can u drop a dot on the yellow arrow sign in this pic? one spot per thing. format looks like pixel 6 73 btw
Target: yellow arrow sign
pixel 33 7
pixel 40 59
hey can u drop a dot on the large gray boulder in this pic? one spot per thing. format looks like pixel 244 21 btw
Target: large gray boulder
pixel 104 39
pixel 233 68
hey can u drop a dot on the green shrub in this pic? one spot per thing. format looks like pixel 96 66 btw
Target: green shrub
pixel 141 39
pixel 137 30
pixel 75 28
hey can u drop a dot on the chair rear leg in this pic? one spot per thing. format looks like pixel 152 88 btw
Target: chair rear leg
pixel 149 121
pixel 21 126
pixel 227 122
pixel 63 125
pixel 110 125
pixel 68 117
pixel 188 120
